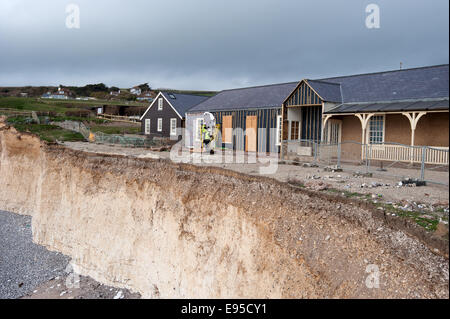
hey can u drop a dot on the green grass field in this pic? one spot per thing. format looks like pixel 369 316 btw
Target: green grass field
pixel 30 104
pixel 58 106
pixel 94 102
pixel 50 133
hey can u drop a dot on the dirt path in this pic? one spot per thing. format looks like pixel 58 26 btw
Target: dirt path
pixel 346 181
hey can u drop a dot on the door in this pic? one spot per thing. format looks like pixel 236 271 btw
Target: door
pixel 333 131
pixel 251 134
pixel 227 129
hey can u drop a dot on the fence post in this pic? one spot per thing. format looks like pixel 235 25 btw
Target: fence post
pixel 422 166
pixel 315 152
pixel 367 158
pixel 339 156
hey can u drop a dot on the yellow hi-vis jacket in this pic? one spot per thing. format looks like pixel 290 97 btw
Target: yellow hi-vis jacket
pixel 205 134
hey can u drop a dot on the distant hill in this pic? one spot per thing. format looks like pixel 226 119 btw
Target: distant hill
pixel 30 91
pixel 100 91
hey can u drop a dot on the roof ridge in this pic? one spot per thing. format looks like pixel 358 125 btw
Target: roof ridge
pixel 197 95
pixel 259 86
pixel 380 72
pixel 321 81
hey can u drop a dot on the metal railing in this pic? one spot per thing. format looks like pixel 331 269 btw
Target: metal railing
pixel 425 163
pixel 111 139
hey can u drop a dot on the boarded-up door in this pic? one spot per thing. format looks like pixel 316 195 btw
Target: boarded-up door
pixel 251 134
pixel 227 129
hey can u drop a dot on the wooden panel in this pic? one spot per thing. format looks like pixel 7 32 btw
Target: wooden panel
pixel 303 95
pixel 295 130
pixel 227 129
pixel 251 133
pixel 165 114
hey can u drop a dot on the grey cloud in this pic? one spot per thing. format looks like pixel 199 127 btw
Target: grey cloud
pixel 213 44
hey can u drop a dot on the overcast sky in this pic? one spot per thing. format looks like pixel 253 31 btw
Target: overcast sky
pixel 214 44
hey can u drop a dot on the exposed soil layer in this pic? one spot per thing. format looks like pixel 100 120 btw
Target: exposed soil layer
pixel 177 230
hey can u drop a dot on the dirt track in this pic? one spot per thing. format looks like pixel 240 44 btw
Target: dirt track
pixel 432 194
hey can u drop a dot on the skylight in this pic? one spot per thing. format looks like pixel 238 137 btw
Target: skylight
pixel 172 96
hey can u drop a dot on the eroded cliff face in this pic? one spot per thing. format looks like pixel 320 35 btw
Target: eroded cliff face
pixel 172 230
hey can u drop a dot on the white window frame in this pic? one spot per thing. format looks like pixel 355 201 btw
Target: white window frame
pixel 160 104
pixel 147 126
pixel 279 133
pixel 198 124
pixel 173 128
pixel 369 130
pixel 160 124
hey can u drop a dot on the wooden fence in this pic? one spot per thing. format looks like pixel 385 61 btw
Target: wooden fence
pixel 404 153
pixel 118 118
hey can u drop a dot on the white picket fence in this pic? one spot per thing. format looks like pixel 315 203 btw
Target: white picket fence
pixel 404 153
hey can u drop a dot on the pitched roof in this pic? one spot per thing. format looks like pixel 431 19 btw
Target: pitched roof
pixel 330 92
pixel 393 106
pixel 417 83
pixel 257 97
pixel 430 82
pixel 183 102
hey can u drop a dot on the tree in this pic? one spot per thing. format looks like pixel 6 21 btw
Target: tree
pixel 145 87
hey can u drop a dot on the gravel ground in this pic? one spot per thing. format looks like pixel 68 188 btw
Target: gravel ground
pixel 78 287
pixel 431 194
pixel 23 264
pixel 30 271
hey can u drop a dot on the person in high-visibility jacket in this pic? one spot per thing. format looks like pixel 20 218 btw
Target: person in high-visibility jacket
pixel 207 139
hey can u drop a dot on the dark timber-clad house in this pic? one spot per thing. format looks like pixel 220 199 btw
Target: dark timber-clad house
pixel 253 113
pixel 167 113
pixel 383 110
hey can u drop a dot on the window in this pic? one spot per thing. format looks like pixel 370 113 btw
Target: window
pixel 173 126
pixel 160 125
pixel 160 104
pixel 198 127
pixel 147 126
pixel 279 133
pixel 376 130
pixel 294 130
pixel 172 96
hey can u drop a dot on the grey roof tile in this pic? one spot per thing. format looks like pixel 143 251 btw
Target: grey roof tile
pixel 183 102
pixel 267 96
pixel 417 83
pixel 393 106
pixel 408 84
pixel 328 91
